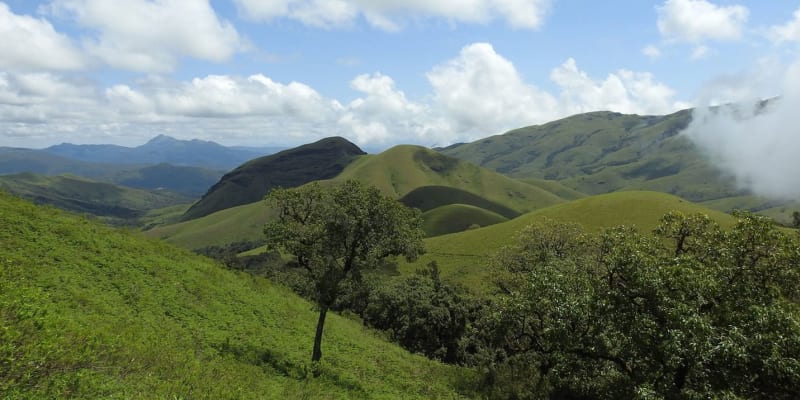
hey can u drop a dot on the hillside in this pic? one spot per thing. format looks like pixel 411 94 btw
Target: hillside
pixel 162 149
pixel 116 203
pixel 251 181
pixel 402 169
pixel 191 181
pixel 462 256
pixel 399 171
pixel 602 152
pixel 93 312
pixel 457 218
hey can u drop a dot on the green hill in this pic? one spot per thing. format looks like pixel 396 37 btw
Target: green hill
pixel 290 168
pixel 402 169
pixel 453 218
pixel 87 311
pixel 462 256
pixel 117 204
pixel 427 198
pixel 397 172
pixel 602 152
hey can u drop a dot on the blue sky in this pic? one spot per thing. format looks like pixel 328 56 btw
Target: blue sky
pixel 378 72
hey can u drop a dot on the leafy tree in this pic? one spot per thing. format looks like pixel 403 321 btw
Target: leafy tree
pixel 422 313
pixel 337 232
pixel 689 312
pixel 796 219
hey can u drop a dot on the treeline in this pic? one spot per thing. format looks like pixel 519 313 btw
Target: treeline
pixel 688 311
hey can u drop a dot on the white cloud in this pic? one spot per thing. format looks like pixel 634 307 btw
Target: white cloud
pixel 757 145
pixel 476 94
pixel 651 51
pixel 30 43
pixel 390 14
pixel 481 93
pixel 144 35
pixel 788 32
pixel 696 21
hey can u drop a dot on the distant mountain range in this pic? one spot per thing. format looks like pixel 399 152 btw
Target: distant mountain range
pixel 164 149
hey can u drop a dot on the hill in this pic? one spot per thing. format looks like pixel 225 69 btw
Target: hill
pixel 116 204
pixel 401 169
pixel 93 312
pixel 462 256
pixel 294 167
pixel 453 218
pixel 162 149
pixel 602 152
pixel 191 181
pixel 397 172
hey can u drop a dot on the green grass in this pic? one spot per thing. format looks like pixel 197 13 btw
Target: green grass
pixel 603 152
pixel 462 256
pixel 397 172
pixel 116 203
pixel 87 311
pixel 402 169
pixel 456 218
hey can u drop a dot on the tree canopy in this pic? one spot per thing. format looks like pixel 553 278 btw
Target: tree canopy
pixel 692 311
pixel 336 232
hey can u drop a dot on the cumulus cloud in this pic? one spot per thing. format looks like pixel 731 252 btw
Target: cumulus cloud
pixel 754 141
pixel 31 43
pixel 146 35
pixel 476 94
pixel 390 14
pixel 788 32
pixel 696 21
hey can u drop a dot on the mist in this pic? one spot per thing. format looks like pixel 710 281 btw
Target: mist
pixel 756 140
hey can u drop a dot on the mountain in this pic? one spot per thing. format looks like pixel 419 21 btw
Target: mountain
pixel 415 175
pixel 191 181
pixel 602 152
pixel 162 149
pixel 93 312
pixel 252 180
pixel 117 204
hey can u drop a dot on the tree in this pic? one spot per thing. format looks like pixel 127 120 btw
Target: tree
pixel 335 233
pixel 796 219
pixel 692 311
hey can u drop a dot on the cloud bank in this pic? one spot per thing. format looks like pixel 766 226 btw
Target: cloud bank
pixel 754 141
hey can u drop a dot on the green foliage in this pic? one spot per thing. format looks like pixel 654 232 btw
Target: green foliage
pixel 422 313
pixel 87 311
pixel 337 233
pixel 116 204
pixel 690 312
pixel 252 180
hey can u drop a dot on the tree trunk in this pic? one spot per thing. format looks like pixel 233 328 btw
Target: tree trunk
pixel 317 353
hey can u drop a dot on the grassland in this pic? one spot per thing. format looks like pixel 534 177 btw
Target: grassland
pixel 462 256
pixel 456 218
pixel 87 311
pixel 114 203
pixel 398 172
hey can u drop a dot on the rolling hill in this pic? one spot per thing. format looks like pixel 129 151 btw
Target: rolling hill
pixel 93 312
pixel 453 218
pixel 114 203
pixel 602 152
pixel 398 171
pixel 462 256
pixel 294 167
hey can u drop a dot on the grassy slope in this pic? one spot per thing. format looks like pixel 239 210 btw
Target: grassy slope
pixel 396 172
pixel 456 218
pixel 401 169
pixel 462 256
pixel 87 311
pixel 87 196
pixel 601 152
pixel 252 180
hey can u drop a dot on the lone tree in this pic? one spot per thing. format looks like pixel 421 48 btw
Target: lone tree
pixel 337 232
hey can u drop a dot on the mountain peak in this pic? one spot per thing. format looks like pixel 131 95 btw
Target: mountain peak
pixel 161 139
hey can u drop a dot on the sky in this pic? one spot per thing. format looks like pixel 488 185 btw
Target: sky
pixel 378 72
